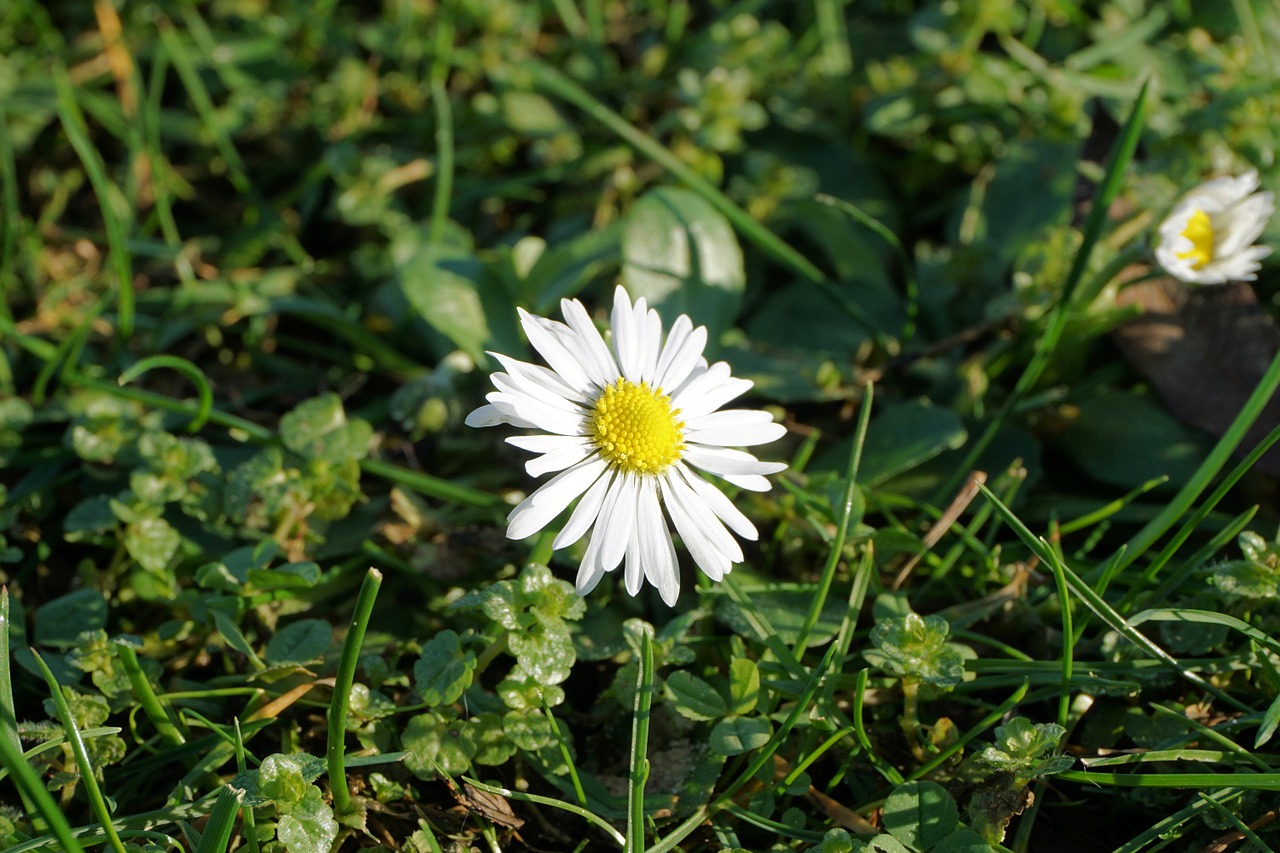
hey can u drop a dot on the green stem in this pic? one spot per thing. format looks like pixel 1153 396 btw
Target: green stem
pixel 336 752
pixel 444 129
pixel 194 374
pixel 639 773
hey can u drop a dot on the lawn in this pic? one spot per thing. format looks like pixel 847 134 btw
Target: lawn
pixel 665 425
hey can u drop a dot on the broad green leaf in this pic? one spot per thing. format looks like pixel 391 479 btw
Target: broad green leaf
pixel 433 744
pixel 298 643
pixel 744 685
pixel 682 255
pixel 493 743
pixel 544 652
pixel 736 735
pixel 920 814
pixel 319 428
pixel 915 647
pixel 61 621
pixel 91 515
pixel 442 285
pixel 963 840
pixel 694 698
pixel 528 730
pixel 443 670
pixel 152 542
pixel 300 575
pixel 308 826
pixel 902 437
pixel 1125 441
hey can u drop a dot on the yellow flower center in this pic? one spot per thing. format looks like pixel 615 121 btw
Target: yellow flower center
pixel 635 428
pixel 1199 231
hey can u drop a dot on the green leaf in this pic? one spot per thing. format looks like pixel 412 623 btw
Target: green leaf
pixel 91 515
pixel 308 826
pixel 152 542
pixel 319 429
pixel 744 685
pixel 60 622
pixel 694 698
pixel 920 814
pixel 442 285
pixel 300 575
pixel 544 652
pixel 916 647
pixel 1125 441
pixel 903 437
pixel 433 744
pixel 443 670
pixel 963 840
pixel 736 735
pixel 835 841
pixel 298 643
pixel 528 730
pixel 493 744
pixel 682 255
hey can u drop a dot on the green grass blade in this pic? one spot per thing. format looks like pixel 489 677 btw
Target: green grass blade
pixel 78 135
pixel 1107 190
pixel 842 531
pixel 156 712
pixel 639 765
pixel 222 820
pixel 33 790
pixel 444 127
pixel 87 777
pixel 337 719
pixel 1099 606
pixel 204 391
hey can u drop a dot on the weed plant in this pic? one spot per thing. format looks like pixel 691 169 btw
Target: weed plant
pixel 258 595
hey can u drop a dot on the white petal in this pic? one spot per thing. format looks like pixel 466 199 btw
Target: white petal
pixel 584 514
pixel 652 346
pixel 734 428
pixel 682 353
pixel 628 335
pixel 750 482
pixel 525 411
pixel 595 356
pixel 538 377
pixel 617 523
pixel 554 341
pixel 537 510
pixel 559 459
pixel 590 570
pixel 722 461
pixel 709 391
pixel 543 443
pixel 657 552
pixel 544 396
pixel 487 416
pixel 701 531
pixel 720 505
pixel 1243 224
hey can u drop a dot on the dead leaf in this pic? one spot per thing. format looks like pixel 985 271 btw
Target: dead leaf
pixel 1204 349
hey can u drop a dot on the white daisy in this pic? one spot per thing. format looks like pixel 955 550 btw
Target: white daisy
pixel 625 424
pixel 1208 238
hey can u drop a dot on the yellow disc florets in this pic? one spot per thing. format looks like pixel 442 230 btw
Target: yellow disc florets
pixel 1199 231
pixel 635 428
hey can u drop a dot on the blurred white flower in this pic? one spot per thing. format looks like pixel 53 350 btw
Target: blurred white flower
pixel 625 424
pixel 1208 238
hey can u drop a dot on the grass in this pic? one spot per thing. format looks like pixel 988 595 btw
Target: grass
pixel 257 594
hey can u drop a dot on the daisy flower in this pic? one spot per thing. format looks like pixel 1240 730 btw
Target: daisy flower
pixel 625 424
pixel 1208 238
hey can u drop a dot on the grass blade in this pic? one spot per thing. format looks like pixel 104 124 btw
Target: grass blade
pixel 87 777
pixel 1106 192
pixel 217 832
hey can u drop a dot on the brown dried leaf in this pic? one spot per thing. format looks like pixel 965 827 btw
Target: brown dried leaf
pixel 1204 350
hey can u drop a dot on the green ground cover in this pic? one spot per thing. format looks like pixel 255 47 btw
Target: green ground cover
pixel 258 592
